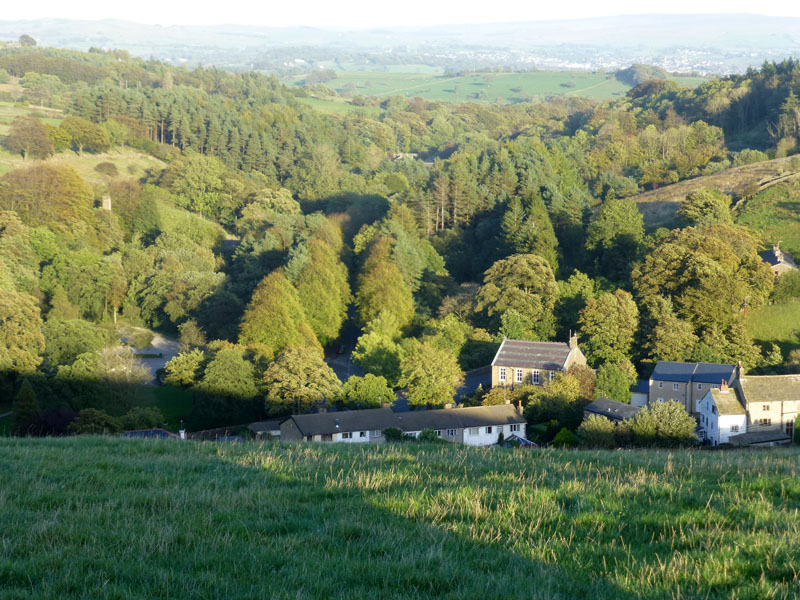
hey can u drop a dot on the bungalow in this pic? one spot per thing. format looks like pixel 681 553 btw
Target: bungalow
pixel 687 383
pixel 778 260
pixel 519 361
pixel 265 430
pixel 611 410
pixel 475 426
pixel 722 415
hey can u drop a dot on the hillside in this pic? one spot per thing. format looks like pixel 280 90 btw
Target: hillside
pixel 660 205
pixel 112 518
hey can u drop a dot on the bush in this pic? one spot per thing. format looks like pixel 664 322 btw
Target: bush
pixel 393 434
pixel 107 168
pixel 141 417
pixel 663 424
pixel 564 439
pixel 141 338
pixel 429 436
pixel 93 421
pixel 596 432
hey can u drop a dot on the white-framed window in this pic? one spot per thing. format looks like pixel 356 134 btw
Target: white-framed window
pixel 659 399
pixel 675 386
pixel 473 431
pixel 518 376
pixel 765 421
pixel 502 374
pixel 766 408
pixel 660 384
pixel 376 433
pixel 451 433
pixel 699 386
pixel 535 377
pixel 489 429
pixel 734 428
pixel 552 375
pixel 514 427
pixel 362 434
pixel 438 432
pixel 499 429
pixel 346 435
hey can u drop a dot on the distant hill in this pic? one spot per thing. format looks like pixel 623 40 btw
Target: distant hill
pixel 710 43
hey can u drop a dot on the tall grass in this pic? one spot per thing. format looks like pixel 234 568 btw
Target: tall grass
pixel 111 518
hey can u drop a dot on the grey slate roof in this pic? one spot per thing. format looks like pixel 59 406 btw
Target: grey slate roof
pixel 642 386
pixel 697 372
pixel 770 388
pixel 383 418
pixel 760 437
pixel 773 258
pixel 532 355
pixel 611 409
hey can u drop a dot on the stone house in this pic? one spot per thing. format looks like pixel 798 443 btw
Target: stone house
pixel 518 362
pixel 687 383
pixel 778 260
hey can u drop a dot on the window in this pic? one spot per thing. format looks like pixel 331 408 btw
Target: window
pixel 675 386
pixel 438 432
pixel 473 431
pixel 502 374
pixel 535 376
pixel 518 376
pixel 347 435
pixel 734 428
pixel 362 434
pixel 499 429
pixel 714 410
pixel 766 408
pixel 660 399
pixel 552 375
pixel 789 428
pixel 451 433
pixel 489 429
pixel 699 386
pixel 660 384
pixel 514 428
pixel 376 433
pixel 765 421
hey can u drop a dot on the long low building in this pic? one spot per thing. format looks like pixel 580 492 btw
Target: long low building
pixel 475 426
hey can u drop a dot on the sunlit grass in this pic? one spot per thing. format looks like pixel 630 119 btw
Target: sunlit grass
pixel 111 518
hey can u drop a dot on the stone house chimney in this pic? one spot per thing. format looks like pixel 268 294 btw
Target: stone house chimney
pixel 573 340
pixel 724 387
pixel 776 249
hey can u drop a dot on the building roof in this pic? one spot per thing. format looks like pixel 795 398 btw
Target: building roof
pixel 611 409
pixel 728 403
pixel 770 388
pixel 776 256
pixel 550 356
pixel 383 418
pixel 266 426
pixel 697 372
pixel 149 434
pixel 642 386
pixel 759 437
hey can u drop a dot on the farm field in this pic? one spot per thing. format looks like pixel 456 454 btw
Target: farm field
pixel 485 87
pixel 775 215
pixel 776 323
pixel 113 518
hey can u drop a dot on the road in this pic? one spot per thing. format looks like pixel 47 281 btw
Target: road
pixel 166 347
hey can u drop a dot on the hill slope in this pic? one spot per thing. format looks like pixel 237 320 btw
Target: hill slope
pixel 660 205
pixel 112 518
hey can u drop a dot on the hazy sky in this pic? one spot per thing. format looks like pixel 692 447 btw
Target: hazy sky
pixel 368 13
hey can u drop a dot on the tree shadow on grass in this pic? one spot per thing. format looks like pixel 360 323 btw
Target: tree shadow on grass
pixel 107 518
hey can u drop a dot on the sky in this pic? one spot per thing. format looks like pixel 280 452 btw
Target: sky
pixel 371 13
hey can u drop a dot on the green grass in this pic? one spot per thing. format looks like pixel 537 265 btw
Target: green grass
pixel 113 518
pixel 339 106
pixel 776 323
pixel 775 215
pixel 488 87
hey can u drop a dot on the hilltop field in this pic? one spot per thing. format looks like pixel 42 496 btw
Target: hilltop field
pixel 481 87
pixel 113 518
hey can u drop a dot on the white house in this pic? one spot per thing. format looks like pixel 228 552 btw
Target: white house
pixel 722 415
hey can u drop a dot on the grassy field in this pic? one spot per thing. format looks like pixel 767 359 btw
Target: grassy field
pixel 775 214
pixel 777 323
pixel 485 87
pixel 113 518
pixel 10 111
pixel 129 162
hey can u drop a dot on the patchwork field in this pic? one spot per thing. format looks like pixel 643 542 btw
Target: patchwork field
pixel 485 87
pixel 114 518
